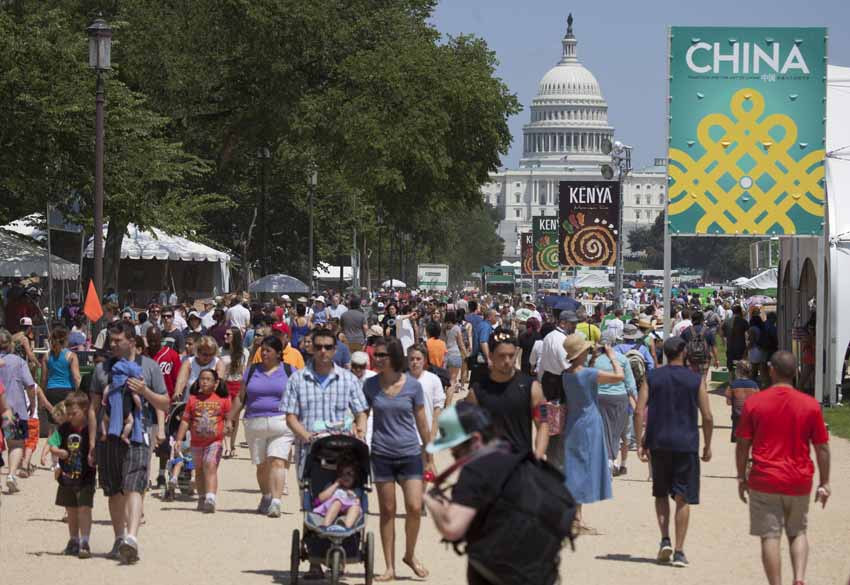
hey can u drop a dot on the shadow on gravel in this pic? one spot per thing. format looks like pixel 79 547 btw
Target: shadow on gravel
pixel 627 559
pixel 99 522
pixel 252 511
pixel 284 578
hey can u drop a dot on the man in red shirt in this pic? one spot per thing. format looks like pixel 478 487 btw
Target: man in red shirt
pixel 779 424
pixel 169 363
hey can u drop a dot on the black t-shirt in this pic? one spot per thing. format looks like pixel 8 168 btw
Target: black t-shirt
pixel 502 543
pixel 526 344
pixel 76 470
pixel 509 404
pixel 174 340
pixel 736 338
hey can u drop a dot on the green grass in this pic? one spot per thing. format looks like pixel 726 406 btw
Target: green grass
pixel 838 419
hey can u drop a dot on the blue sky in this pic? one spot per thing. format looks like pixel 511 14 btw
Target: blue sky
pixel 623 43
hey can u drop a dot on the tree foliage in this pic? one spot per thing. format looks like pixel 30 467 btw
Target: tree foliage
pixel 365 92
pixel 719 258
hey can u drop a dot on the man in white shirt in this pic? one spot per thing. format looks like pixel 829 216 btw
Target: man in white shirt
pixel 238 315
pixel 337 308
pixel 616 324
pixel 684 324
pixel 360 368
pixel 553 357
pixel 207 320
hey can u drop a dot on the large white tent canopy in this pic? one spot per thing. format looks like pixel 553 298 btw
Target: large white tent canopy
pixel 762 281
pixel 19 257
pixel 154 244
pixel 838 205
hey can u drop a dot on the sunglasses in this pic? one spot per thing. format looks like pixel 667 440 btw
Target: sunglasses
pixel 168 316
pixel 358 367
pixel 379 355
pixel 326 347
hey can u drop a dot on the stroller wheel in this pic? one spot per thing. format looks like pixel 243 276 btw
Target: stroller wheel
pixel 336 566
pixel 295 559
pixel 369 558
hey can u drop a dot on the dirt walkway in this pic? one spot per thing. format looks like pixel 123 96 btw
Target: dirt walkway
pixel 179 545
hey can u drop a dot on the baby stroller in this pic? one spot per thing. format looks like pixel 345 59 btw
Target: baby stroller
pixel 184 480
pixel 333 549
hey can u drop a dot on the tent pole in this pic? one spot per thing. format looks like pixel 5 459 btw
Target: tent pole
pixel 822 337
pixel 49 269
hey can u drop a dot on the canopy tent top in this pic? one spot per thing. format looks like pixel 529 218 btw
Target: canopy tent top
pixel 394 283
pixel 154 244
pixel 278 283
pixel 763 281
pixel 20 257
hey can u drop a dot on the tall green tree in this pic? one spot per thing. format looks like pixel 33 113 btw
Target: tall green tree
pixel 718 258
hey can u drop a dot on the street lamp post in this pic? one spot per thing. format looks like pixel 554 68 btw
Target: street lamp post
pixel 100 49
pixel 314 180
pixel 264 155
pixel 621 155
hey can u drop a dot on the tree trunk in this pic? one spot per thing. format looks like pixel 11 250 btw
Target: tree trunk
pixel 112 254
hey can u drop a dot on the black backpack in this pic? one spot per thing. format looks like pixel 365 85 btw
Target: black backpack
pixel 540 517
pixel 697 347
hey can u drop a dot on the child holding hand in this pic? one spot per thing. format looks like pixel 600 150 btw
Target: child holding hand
pixel 340 498
pixel 208 406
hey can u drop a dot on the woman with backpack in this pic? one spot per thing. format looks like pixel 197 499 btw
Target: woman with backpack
pixel 269 438
pixel 701 345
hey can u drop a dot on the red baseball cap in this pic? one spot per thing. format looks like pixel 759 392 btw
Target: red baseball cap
pixel 282 327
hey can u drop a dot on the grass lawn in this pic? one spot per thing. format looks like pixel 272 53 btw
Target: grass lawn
pixel 838 419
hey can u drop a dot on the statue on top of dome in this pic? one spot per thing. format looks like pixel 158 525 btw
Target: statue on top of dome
pixel 570 24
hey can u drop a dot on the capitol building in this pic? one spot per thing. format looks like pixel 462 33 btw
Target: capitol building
pixel 563 141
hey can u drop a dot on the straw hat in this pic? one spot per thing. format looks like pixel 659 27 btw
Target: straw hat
pixel 576 345
pixel 644 324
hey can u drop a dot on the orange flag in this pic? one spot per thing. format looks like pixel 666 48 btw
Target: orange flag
pixel 92 308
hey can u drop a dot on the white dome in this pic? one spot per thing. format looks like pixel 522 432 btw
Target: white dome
pixel 570 78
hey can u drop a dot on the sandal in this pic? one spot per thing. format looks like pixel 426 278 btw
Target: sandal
pixel 386 577
pixel 417 567
pixel 23 473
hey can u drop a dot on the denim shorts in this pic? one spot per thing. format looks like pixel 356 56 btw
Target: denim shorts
pixel 454 361
pixel 394 469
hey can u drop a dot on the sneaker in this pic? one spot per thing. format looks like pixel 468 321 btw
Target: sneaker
pixel 679 559
pixel 201 504
pixel 665 551
pixel 622 470
pixel 160 482
pixel 263 508
pixel 170 491
pixel 274 510
pixel 85 551
pixel 209 506
pixel 72 549
pixel 128 550
pixel 113 554
pixel 12 484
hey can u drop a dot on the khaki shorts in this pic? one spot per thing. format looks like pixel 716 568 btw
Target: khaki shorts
pixel 770 513
pixel 268 436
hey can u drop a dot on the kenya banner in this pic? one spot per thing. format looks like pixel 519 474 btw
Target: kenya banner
pixel 544 230
pixel 747 108
pixel 590 217
pixel 526 246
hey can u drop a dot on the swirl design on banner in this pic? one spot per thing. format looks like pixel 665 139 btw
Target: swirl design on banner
pixel 547 257
pixel 592 245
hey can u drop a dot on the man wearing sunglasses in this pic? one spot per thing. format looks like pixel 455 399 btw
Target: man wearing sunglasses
pixel 172 336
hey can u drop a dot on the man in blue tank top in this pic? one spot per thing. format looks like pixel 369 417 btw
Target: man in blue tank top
pixel 670 440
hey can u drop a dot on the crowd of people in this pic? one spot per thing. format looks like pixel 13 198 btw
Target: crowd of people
pixel 579 388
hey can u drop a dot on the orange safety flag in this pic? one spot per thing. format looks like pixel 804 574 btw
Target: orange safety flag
pixel 92 308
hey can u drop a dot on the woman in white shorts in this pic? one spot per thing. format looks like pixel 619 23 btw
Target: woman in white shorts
pixel 269 439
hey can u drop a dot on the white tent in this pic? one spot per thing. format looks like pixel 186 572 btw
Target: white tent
pixel 837 165
pixel 394 283
pixel 739 281
pixel 593 280
pixel 154 244
pixel 761 281
pixel 328 272
pixel 19 257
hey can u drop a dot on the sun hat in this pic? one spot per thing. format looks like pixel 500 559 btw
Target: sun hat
pixel 375 331
pixel 319 299
pixel 575 344
pixel 286 298
pixel 631 332
pixel 531 303
pixel 194 315
pixel 359 358
pixel 644 324
pixel 302 299
pixel 456 424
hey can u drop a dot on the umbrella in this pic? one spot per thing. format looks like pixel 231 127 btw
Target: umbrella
pixel 278 283
pixel 393 284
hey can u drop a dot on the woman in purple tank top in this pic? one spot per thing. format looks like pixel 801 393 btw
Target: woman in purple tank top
pixel 269 438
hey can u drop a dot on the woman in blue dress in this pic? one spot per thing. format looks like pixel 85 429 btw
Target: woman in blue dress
pixel 586 459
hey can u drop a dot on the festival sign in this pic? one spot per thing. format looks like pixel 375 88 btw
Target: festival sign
pixel 590 218
pixel 544 229
pixel 747 123
pixel 526 247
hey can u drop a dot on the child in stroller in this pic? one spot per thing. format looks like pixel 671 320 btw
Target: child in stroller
pixel 180 466
pixel 340 497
